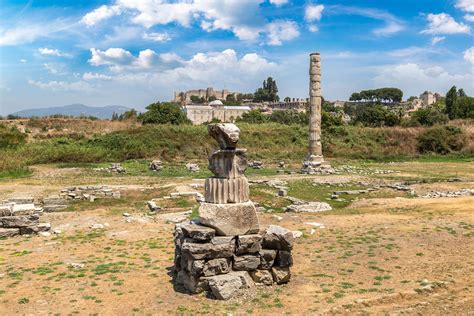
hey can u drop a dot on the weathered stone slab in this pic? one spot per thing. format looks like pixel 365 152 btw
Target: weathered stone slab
pixel 219 247
pixel 310 207
pixel 226 134
pixel 284 259
pixel 230 219
pixel 198 232
pixel 225 286
pixel 192 284
pixel 262 276
pixel 30 230
pixel 19 221
pixel 281 275
pixel 216 266
pixel 267 258
pixel 276 237
pixel 54 208
pixel 6 210
pixel 247 282
pixel 22 200
pixel 9 232
pixel 248 244
pixel 246 262
pixel 23 209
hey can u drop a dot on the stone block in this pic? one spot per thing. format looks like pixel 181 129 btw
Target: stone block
pixel 276 237
pixel 267 258
pixel 54 208
pixel 216 266
pixel 22 200
pixel 30 230
pixel 19 221
pixel 198 232
pixel 23 209
pixel 6 210
pixel 262 276
pixel 246 262
pixel 219 247
pixel 245 278
pixel 230 219
pixel 225 286
pixel 284 259
pixel 9 232
pixel 248 244
pixel 281 275
pixel 192 284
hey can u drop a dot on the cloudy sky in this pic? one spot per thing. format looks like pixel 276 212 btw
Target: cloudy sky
pixel 134 52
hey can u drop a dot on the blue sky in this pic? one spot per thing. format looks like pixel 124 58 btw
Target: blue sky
pixel 134 52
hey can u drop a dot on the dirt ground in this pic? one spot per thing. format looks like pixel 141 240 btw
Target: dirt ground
pixel 384 255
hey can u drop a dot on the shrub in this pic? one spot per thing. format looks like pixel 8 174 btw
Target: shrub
pixel 441 140
pixel 11 137
pixel 428 116
pixel 253 116
pixel 289 117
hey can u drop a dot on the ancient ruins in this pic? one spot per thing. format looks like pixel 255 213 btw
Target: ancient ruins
pixel 314 162
pixel 225 252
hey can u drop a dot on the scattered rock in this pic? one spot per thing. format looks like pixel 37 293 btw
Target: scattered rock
pixel 225 286
pixel 155 165
pixel 153 206
pixel 97 226
pixel 309 207
pixel 192 167
pixel 297 234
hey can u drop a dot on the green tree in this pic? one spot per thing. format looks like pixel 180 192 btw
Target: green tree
pixel 461 93
pixel 289 117
pixel 269 91
pixel 465 107
pixel 196 99
pixel 451 98
pixel 164 113
pixel 375 115
pixel 428 116
pixel 230 100
pixel 441 140
pixel 211 98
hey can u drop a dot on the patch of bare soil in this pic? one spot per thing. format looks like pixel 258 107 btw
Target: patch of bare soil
pixel 391 256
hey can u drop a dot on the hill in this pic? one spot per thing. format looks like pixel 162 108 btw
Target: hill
pixel 104 112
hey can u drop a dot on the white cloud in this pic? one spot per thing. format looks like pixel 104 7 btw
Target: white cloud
pixel 52 52
pixel 62 85
pixel 469 17
pixel 392 24
pixel 279 31
pixel 23 61
pixel 29 32
pixel 55 68
pixel 444 24
pixel 313 12
pixel 469 55
pixel 112 56
pixel 413 78
pixel 89 76
pixel 437 39
pixel 313 28
pixel 101 13
pixel 157 37
pixel 278 2
pixel 465 5
pixel 243 18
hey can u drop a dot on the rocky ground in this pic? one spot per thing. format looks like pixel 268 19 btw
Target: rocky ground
pixel 390 250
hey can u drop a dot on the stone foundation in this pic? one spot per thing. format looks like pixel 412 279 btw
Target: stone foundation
pixel 316 167
pixel 21 219
pixel 227 266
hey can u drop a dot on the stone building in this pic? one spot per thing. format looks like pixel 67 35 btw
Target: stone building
pixel 199 114
pixel 185 96
pixel 429 98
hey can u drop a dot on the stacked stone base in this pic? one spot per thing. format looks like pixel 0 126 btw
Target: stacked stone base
pixel 316 167
pixel 21 219
pixel 227 266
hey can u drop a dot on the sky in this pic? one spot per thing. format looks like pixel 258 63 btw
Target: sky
pixel 135 52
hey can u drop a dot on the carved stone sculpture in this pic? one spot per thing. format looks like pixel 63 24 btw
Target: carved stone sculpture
pixel 227 207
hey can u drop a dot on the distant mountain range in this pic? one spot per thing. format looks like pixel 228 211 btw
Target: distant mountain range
pixel 104 112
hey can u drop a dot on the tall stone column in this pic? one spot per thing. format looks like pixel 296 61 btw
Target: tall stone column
pixel 314 162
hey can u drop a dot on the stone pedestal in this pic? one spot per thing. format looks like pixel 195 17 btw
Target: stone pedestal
pixel 225 266
pixel 224 253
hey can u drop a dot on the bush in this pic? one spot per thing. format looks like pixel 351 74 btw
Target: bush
pixel 375 115
pixel 11 137
pixel 441 140
pixel 289 117
pixel 428 116
pixel 253 116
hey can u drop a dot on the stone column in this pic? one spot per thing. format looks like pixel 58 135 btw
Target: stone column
pixel 314 162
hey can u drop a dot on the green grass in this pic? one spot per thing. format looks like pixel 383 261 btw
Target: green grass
pixel 270 142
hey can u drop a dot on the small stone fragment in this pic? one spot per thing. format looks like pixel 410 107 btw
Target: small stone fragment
pixel 281 275
pixel 262 276
pixel 225 286
pixel 248 244
pixel 267 258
